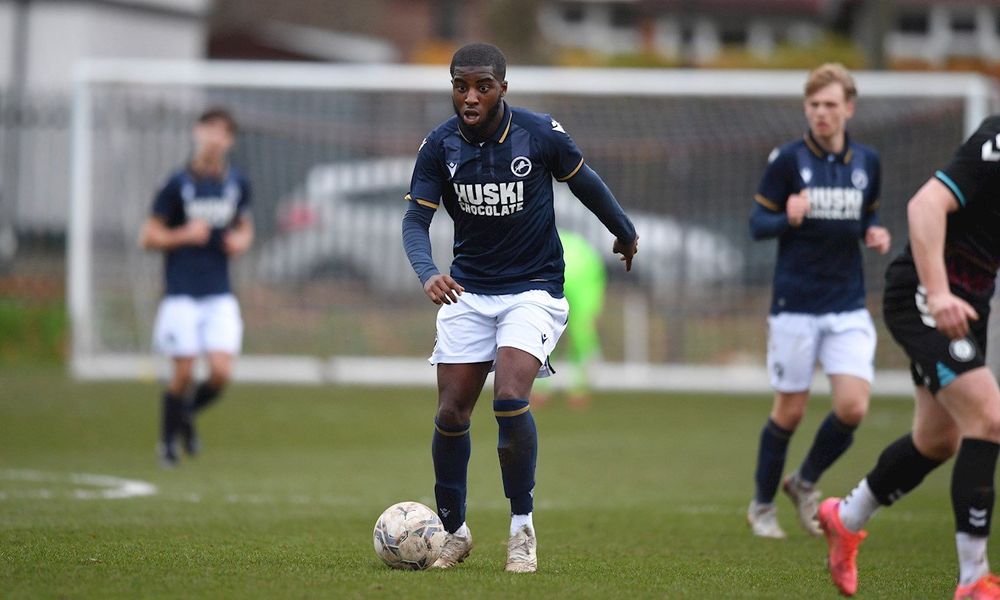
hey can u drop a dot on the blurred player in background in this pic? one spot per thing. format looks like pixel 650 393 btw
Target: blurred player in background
pixel 937 303
pixel 200 220
pixel 819 197
pixel 502 304
pixel 584 289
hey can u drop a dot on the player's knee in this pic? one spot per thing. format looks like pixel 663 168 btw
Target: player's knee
pixel 939 446
pixel 453 415
pixel 991 428
pixel 181 381
pixel 220 378
pixel 788 415
pixel 852 413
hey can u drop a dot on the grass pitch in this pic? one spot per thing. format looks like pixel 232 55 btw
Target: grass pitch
pixel 641 496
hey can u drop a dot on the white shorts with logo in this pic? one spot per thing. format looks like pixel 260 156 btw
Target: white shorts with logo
pixel 844 343
pixel 471 330
pixel 188 326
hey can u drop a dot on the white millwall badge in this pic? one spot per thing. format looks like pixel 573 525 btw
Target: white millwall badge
pixel 520 166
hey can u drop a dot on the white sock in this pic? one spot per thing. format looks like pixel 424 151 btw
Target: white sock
pixel 462 531
pixel 519 521
pixel 858 506
pixel 972 563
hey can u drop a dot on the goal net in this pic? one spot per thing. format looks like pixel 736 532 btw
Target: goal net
pixel 327 293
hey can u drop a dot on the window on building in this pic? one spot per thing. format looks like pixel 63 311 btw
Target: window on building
pixel 733 35
pixel 446 19
pixel 913 21
pixel 623 15
pixel 963 21
pixel 572 12
pixel 687 34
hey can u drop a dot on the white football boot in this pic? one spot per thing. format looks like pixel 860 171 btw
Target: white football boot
pixel 521 557
pixel 457 547
pixel 763 520
pixel 805 497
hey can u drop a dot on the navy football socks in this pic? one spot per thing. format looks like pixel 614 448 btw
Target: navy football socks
pixel 770 461
pixel 517 448
pixel 204 396
pixel 833 438
pixel 171 420
pixel 450 450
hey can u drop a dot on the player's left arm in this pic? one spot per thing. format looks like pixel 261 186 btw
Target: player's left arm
pixel 588 186
pixel 876 236
pixel 565 161
pixel 238 238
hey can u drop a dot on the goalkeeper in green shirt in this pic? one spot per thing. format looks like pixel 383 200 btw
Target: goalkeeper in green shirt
pixel 584 289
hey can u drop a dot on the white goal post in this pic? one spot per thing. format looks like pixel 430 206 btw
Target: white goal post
pixel 333 143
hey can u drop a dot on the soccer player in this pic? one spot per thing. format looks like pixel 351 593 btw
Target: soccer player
pixel 819 197
pixel 936 307
pixel 584 286
pixel 502 305
pixel 200 220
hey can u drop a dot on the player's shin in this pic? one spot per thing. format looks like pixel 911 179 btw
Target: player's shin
pixel 770 461
pixel 451 448
pixel 972 497
pixel 517 448
pixel 833 438
pixel 204 396
pixel 900 468
pixel 171 419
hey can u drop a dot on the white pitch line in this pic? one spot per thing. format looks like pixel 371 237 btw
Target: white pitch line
pixel 98 487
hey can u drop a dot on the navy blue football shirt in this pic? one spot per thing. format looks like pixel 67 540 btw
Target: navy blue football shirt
pixel 499 195
pixel 819 267
pixel 200 270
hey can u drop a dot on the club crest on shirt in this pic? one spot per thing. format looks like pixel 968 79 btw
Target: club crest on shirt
pixel 962 350
pixel 859 178
pixel 806 174
pixel 520 166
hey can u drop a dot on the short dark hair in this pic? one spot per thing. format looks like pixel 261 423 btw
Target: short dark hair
pixel 220 113
pixel 479 54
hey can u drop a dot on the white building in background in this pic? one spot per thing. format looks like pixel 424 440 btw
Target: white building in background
pixel 933 31
pixel 696 31
pixel 56 34
pixel 685 30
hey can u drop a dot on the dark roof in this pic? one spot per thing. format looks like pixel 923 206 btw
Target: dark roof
pixel 763 7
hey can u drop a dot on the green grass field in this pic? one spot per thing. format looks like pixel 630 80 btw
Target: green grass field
pixel 641 496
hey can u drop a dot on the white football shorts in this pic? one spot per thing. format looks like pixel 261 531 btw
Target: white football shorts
pixel 188 326
pixel 471 330
pixel 843 343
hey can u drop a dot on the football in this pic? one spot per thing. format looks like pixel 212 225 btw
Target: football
pixel 409 535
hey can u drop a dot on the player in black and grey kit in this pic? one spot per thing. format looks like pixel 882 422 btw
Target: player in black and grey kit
pixel 937 307
pixel 200 220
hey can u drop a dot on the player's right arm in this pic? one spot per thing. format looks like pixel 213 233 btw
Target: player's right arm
pixel 777 204
pixel 950 190
pixel 426 190
pixel 156 235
